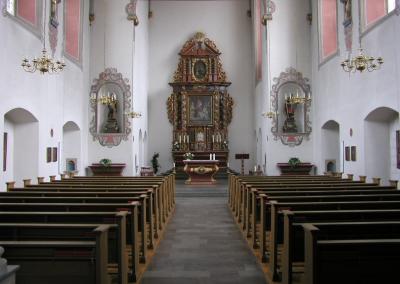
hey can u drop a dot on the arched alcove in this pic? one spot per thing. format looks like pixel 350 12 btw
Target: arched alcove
pixel 330 146
pixel 140 148
pixel 380 143
pixel 22 154
pixel 71 148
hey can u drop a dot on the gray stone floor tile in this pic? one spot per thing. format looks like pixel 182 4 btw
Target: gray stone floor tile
pixel 202 244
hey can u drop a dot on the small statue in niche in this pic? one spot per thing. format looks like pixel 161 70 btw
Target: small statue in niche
pixel 290 123
pixel 111 125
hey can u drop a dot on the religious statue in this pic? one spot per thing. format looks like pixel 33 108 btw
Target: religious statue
pixel 111 125
pixel 290 123
pixel 347 12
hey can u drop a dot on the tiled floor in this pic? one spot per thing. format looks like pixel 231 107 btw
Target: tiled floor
pixel 202 243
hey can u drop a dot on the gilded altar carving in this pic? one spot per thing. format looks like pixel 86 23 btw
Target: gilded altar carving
pixel 200 107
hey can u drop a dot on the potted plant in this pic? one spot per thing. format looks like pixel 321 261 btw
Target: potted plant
pixel 105 162
pixel 154 162
pixel 294 162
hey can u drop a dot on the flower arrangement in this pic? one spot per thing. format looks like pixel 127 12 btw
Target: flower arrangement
pixel 188 156
pixel 105 162
pixel 225 144
pixel 176 146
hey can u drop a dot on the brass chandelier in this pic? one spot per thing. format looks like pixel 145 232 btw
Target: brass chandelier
pixel 45 63
pixel 361 63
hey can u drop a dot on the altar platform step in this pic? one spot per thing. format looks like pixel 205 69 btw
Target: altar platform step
pixel 221 174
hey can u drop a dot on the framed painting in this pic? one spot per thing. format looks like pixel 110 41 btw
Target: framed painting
pixel 54 156
pixel 398 148
pixel 200 110
pixel 347 153
pixel 353 153
pixel 48 154
pixel 71 164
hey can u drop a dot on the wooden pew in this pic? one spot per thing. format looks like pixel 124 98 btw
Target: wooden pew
pixel 154 206
pixel 71 232
pixel 48 262
pixel 92 207
pixel 161 206
pixel 293 244
pixel 121 219
pixel 270 222
pixel 345 261
pixel 248 213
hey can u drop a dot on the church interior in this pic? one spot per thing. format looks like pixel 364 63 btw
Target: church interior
pixel 199 141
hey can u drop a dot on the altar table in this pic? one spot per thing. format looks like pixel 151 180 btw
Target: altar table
pixel 201 171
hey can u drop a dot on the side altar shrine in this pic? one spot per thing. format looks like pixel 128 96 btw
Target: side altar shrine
pixel 200 108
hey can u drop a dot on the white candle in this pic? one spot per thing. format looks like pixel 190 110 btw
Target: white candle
pixel 174 165
pixel 188 138
pixel 184 139
pixel 214 157
pixel 210 156
pixel 255 168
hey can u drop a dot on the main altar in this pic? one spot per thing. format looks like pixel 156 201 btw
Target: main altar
pixel 201 171
pixel 200 108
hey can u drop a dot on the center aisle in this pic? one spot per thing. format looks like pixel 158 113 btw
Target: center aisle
pixel 202 243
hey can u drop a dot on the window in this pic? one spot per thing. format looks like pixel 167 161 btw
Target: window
pixel 328 33
pixel 28 13
pixel 11 7
pixel 373 11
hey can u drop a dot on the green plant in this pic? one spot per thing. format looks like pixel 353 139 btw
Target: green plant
pixel 294 162
pixel 154 162
pixel 105 162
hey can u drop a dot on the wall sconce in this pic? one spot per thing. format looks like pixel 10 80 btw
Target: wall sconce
pixel 270 114
pixel 134 114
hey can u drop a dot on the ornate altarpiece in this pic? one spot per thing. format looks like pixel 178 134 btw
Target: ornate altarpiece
pixel 200 108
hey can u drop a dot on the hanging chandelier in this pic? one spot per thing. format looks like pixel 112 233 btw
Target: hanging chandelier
pixel 45 63
pixel 361 63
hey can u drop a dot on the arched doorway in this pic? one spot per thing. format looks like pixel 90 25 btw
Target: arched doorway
pixel 330 146
pixel 71 148
pixel 380 143
pixel 22 151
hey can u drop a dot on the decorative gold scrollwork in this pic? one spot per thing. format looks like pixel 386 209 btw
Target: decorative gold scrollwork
pixel 201 170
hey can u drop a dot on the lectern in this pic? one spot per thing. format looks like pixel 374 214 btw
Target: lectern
pixel 242 157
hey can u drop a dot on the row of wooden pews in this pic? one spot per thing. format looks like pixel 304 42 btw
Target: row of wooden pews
pixel 319 229
pixel 99 230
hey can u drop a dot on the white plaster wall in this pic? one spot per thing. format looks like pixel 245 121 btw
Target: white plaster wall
pixel 330 147
pixel 377 149
pixel 226 23
pixel 349 98
pixel 25 154
pixel 51 99
pixel 9 173
pixel 71 148
pixel 140 84
pixel 113 46
pixel 394 171
pixel 290 36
